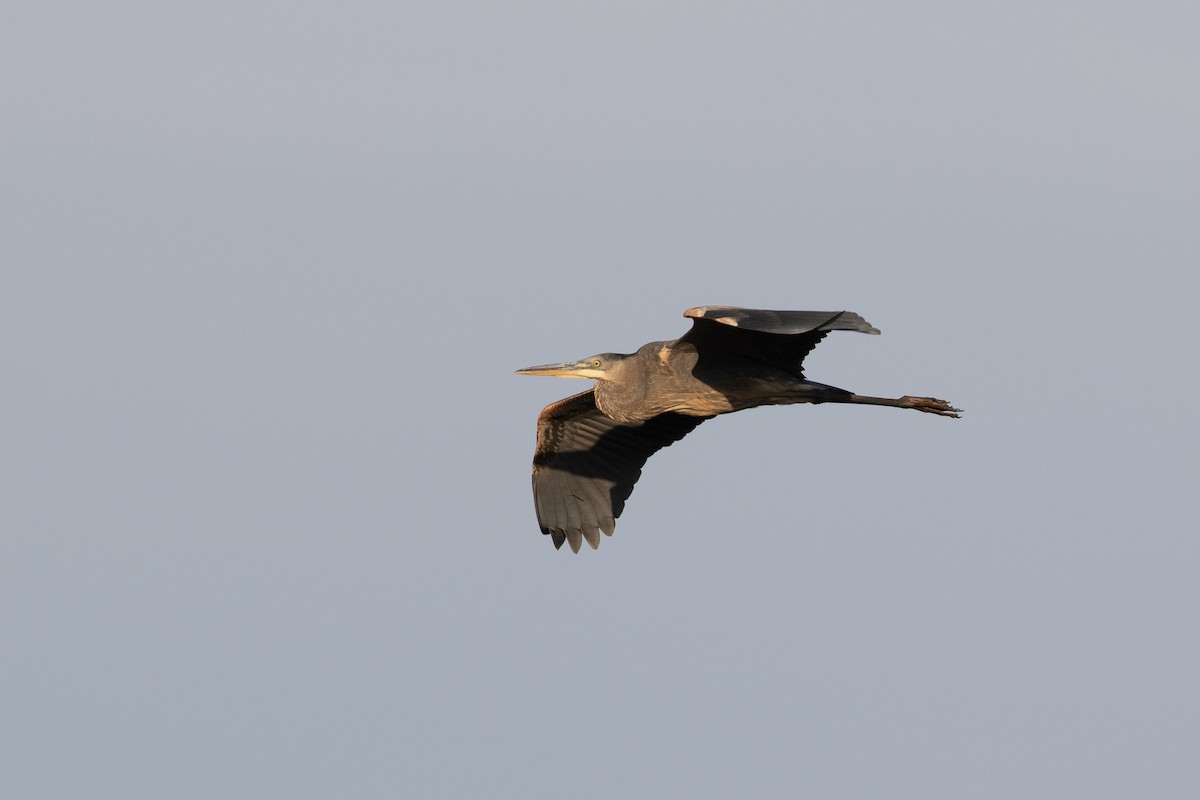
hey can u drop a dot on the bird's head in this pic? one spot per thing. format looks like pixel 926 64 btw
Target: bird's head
pixel 601 367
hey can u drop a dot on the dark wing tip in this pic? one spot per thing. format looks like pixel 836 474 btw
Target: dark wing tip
pixel 592 535
pixel 575 539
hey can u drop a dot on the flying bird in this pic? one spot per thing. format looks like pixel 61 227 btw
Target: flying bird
pixel 591 446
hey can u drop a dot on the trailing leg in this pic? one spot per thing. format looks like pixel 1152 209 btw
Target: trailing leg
pixel 930 405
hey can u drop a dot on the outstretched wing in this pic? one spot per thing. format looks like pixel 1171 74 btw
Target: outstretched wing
pixel 585 465
pixel 780 338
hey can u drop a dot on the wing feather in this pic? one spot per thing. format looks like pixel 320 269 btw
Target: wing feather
pixel 585 466
pixel 782 339
pixel 782 322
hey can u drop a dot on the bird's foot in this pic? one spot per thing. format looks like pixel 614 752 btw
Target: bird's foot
pixel 930 405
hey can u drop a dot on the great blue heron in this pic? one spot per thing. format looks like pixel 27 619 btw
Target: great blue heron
pixel 591 446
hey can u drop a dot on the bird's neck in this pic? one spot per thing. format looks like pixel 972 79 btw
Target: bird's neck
pixel 653 381
pixel 624 402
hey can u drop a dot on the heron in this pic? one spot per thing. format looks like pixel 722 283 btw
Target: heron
pixel 591 446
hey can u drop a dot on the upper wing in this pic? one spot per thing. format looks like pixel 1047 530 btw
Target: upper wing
pixel 787 322
pixel 781 338
pixel 585 465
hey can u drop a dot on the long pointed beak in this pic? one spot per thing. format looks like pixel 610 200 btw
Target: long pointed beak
pixel 565 369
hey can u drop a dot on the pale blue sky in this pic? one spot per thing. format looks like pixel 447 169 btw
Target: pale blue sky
pixel 266 521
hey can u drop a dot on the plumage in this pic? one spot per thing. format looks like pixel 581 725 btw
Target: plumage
pixel 591 446
pixel 585 465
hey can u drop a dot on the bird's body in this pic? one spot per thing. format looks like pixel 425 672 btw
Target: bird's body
pixel 669 376
pixel 591 446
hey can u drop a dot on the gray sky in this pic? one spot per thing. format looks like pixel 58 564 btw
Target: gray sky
pixel 267 527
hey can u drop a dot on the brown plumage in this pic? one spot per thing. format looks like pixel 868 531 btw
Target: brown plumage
pixel 591 446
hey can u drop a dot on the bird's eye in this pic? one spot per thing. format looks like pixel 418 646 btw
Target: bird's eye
pixel 596 362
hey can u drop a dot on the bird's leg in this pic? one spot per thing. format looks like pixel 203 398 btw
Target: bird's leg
pixel 930 405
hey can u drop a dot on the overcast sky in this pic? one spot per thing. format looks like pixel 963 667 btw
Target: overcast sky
pixel 266 527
